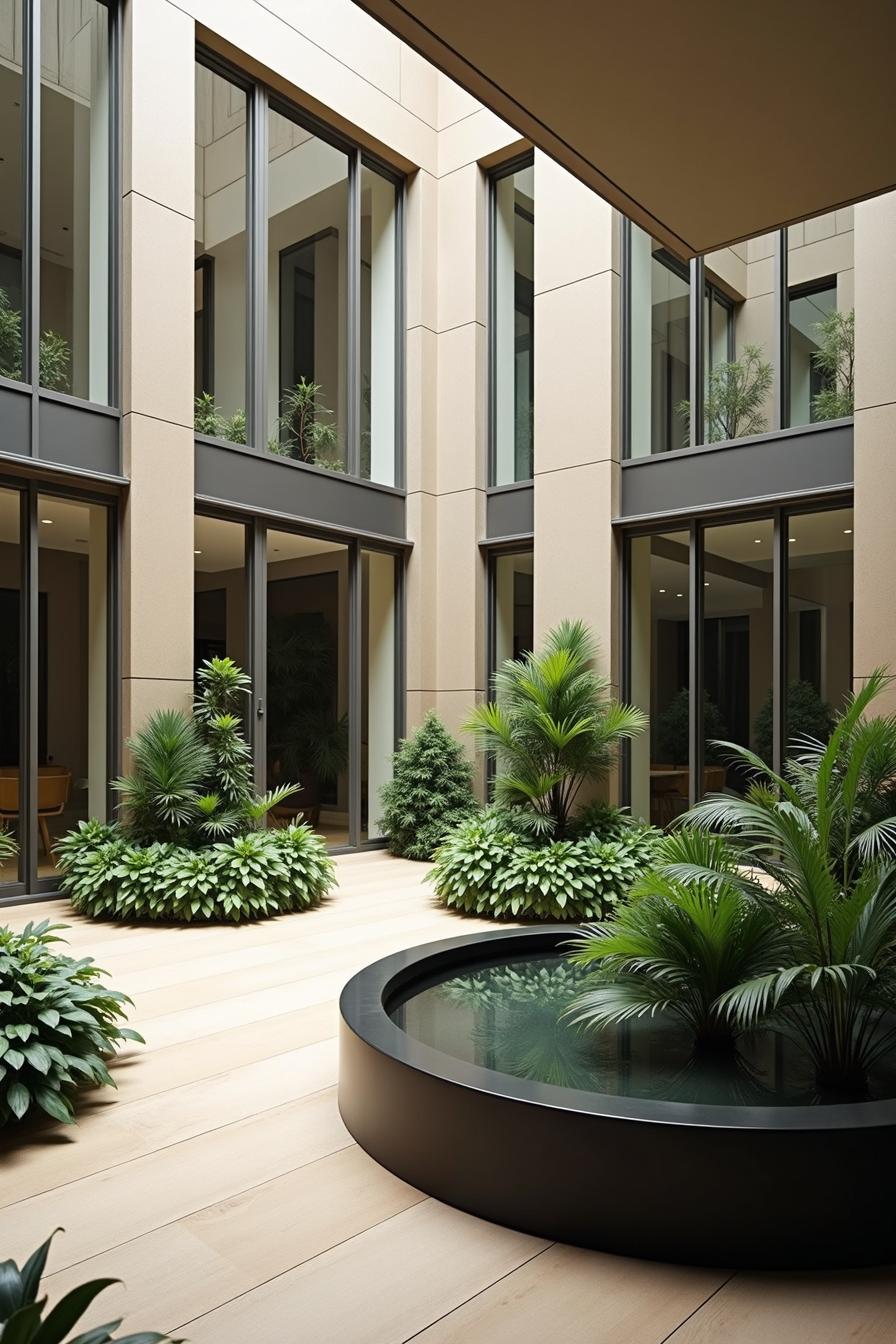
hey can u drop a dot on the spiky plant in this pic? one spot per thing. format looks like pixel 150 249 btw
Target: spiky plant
pixel 820 842
pixel 8 846
pixel 430 792
pixel 552 727
pixel 734 397
pixel 24 1318
pixel 209 419
pixel 675 949
pixel 306 427
pixel 54 350
pixel 170 766
pixel 835 359
pixel 59 1024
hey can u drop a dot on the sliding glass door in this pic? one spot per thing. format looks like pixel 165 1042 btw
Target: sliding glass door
pixel 56 675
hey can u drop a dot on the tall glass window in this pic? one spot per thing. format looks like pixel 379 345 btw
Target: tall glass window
pixel 513 333
pixel 307 295
pixel 75 198
pixel 738 625
pixel 659 351
pixel 379 308
pixel 72 673
pixel 819 622
pixel 512 607
pixel 11 192
pixel 220 276
pixel 306 712
pixel 821 333
pixel 378 685
pixel 659 577
pixel 11 673
pixel 219 592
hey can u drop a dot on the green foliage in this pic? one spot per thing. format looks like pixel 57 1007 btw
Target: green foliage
pixel 22 1318
pixel 54 350
pixel 673 729
pixel 676 948
pixel 191 781
pixel 734 398
pixel 552 727
pixel 250 876
pixel 823 836
pixel 59 1024
pixel 808 716
pixel 209 419
pixel 306 430
pixel 305 734
pixel 487 866
pixel 8 846
pixel 835 359
pixel 430 791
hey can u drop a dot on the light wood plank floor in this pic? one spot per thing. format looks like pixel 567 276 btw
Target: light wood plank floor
pixel 220 1185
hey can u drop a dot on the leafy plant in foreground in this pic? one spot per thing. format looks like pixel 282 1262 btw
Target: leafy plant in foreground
pixel 553 727
pixel 820 842
pixel 24 1318
pixel 430 791
pixel 59 1024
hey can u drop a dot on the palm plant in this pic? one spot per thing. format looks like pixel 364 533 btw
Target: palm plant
pixel 677 948
pixel 22 1318
pixel 821 844
pixel 170 764
pixel 552 727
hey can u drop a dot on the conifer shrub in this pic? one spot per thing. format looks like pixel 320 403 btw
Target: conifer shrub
pixel 430 792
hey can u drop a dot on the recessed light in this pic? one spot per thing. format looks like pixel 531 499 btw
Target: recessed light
pixel 197 552
pixel 847 531
pixel 48 521
pixel 757 541
pixel 705 585
pixel 791 538
pixel 662 590
pixel 679 594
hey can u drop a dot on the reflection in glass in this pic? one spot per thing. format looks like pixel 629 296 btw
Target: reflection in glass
pixel 513 609
pixel 659 575
pixel 219 592
pixel 308 679
pixel 220 276
pixel 377 684
pixel 307 288
pixel 738 394
pixel 738 603
pixel 10 677
pixel 820 317
pixel 74 193
pixel 379 295
pixel 11 193
pixel 72 672
pixel 819 626
pixel 659 348
pixel 513 348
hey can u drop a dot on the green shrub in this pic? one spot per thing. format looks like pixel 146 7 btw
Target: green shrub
pixel 835 360
pixel 430 791
pixel 807 716
pixel 486 867
pixel 250 876
pixel 59 1023
pixel 209 419
pixel 8 846
pixel 22 1317
pixel 674 733
pixel 552 727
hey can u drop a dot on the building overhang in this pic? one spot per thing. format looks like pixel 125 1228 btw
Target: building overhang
pixel 704 123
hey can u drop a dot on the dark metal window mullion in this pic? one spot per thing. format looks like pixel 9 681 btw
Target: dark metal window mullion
pixel 625 363
pixel 780 604
pixel 353 319
pixel 400 334
pixel 355 690
pixel 256 265
pixel 781 337
pixel 625 675
pixel 115 48
pixel 695 664
pixel 28 666
pixel 31 212
pixel 697 341
pixel 257 621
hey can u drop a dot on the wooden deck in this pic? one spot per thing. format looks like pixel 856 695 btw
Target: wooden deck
pixel 220 1185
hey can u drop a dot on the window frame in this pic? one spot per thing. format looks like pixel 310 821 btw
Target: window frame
pixel 496 175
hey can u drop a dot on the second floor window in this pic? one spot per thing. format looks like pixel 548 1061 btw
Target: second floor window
pixel 512 292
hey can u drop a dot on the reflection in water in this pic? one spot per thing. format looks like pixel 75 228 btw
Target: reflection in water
pixel 509 1017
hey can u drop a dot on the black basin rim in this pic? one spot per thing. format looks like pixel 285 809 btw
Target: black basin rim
pixel 363 1009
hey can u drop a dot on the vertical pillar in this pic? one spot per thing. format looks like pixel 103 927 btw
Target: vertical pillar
pixel 875 430
pixel 157 359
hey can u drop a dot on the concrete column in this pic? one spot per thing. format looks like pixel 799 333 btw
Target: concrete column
pixel 157 363
pixel 874 615
pixel 577 288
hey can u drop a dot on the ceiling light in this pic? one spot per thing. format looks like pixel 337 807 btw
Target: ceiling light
pixel 757 541
pixel 197 552
pixel 791 538
pixel 46 520
pixel 705 584
pixel 847 531
pixel 679 594
pixel 662 590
